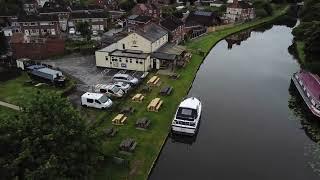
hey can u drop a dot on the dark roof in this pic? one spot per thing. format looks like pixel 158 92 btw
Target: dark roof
pixel 129 53
pixel 240 4
pixel 82 15
pixel 107 40
pixel 152 32
pixel 86 8
pixel 202 18
pixel 171 23
pixel 36 18
pixel 51 7
pixel 143 19
pixel 163 56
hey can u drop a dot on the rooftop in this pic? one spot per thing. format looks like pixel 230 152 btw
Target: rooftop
pixel 171 23
pixel 152 32
pixel 240 4
pixel 164 56
pixel 190 103
pixel 171 48
pixel 81 15
pixel 140 18
pixel 129 53
pixel 202 18
pixel 36 18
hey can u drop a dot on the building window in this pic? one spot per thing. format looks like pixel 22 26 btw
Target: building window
pixel 137 61
pixel 127 61
pixel 107 59
pixel 123 46
pixel 130 61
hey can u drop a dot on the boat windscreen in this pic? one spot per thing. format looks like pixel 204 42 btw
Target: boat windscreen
pixel 186 114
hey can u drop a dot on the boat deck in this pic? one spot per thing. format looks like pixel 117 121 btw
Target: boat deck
pixel 312 84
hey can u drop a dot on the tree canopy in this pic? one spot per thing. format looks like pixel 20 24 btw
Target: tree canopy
pixel 48 139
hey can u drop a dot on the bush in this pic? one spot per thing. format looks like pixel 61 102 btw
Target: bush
pixel 261 13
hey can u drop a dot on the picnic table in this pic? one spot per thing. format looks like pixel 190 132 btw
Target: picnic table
pixel 111 132
pixel 127 110
pixel 165 91
pixel 154 81
pixel 120 119
pixel 146 89
pixel 128 145
pixel 143 123
pixel 138 97
pixel 155 105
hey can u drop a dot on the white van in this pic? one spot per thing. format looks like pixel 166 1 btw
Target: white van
pixel 96 100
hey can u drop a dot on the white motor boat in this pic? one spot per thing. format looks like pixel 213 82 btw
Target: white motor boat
pixel 187 118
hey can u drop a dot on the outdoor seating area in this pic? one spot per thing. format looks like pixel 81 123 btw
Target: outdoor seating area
pixel 127 110
pixel 146 89
pixel 138 98
pixel 110 132
pixel 120 119
pixel 128 145
pixel 166 91
pixel 155 105
pixel 154 81
pixel 142 123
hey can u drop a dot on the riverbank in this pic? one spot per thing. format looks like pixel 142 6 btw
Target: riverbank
pixel 150 142
pixel 300 51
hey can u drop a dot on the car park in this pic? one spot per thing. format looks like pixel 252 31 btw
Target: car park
pixel 125 78
pixel 96 100
pixel 109 89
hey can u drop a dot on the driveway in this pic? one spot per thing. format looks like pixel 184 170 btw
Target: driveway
pixel 82 68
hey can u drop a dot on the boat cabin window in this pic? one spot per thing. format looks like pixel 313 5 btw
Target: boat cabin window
pixel 186 114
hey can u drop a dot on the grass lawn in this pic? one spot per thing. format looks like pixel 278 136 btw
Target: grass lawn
pixel 300 50
pixel 5 112
pixel 13 90
pixel 151 141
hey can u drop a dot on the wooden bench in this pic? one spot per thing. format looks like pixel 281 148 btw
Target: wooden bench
pixel 155 105
pixel 120 119
pixel 154 81
pixel 137 98
pixel 166 91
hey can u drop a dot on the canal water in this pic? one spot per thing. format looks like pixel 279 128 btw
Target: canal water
pixel 254 124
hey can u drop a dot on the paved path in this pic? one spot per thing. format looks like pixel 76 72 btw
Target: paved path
pixel 11 106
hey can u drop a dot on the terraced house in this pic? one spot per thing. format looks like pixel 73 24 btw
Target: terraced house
pixel 98 20
pixel 39 25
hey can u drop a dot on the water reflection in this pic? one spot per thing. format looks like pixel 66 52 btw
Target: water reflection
pixel 177 138
pixel 310 123
pixel 237 38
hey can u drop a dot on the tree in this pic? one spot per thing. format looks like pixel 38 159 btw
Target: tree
pixel 47 140
pixel 127 5
pixel 84 29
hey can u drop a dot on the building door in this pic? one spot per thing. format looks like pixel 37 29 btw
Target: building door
pixel 154 64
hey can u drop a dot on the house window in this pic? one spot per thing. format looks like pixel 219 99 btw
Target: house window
pixel 137 61
pixel 123 46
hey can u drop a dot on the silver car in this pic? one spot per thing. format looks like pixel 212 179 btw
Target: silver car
pixel 122 85
pixel 125 78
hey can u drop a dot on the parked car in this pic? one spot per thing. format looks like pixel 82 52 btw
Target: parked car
pixel 123 85
pixel 109 89
pixel 96 100
pixel 95 33
pixel 125 78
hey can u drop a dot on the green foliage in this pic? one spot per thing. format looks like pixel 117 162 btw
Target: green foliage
pixel 47 140
pixel 304 30
pixel 263 8
pixel 3 43
pixel 84 29
pixel 127 5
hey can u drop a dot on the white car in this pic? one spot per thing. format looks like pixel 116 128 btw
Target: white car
pixel 187 118
pixel 96 100
pixel 109 89
pixel 125 78
pixel 95 33
pixel 122 85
